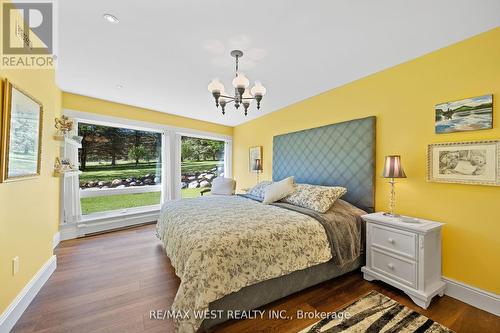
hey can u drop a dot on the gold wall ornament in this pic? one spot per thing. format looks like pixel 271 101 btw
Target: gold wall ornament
pixel 63 125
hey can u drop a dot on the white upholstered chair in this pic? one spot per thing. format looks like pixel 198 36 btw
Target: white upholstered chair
pixel 221 186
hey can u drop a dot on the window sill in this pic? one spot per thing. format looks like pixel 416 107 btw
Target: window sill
pixel 120 214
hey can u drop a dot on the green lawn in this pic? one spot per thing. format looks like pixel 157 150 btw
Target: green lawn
pixel 108 172
pixel 120 201
pixel 125 169
pixel 191 192
pixel 193 166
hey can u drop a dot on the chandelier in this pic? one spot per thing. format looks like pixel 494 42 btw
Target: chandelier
pixel 242 95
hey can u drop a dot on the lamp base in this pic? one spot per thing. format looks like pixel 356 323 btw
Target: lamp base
pixel 391 215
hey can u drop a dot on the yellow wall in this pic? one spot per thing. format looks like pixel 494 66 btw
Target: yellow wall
pixel 403 98
pixel 93 105
pixel 29 209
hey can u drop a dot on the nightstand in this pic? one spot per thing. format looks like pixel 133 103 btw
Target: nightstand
pixel 406 255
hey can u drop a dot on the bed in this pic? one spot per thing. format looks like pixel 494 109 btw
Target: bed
pixel 234 253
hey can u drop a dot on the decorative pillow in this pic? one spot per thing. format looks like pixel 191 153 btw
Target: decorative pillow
pixel 223 186
pixel 278 190
pixel 258 190
pixel 315 197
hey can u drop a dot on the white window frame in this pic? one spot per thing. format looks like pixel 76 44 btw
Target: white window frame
pixel 171 152
pixel 228 152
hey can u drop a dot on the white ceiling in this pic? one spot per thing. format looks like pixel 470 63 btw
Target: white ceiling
pixel 164 53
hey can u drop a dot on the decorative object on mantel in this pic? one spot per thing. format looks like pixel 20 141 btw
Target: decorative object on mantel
pixel 393 169
pixel 242 95
pixel 62 166
pixel 374 310
pixel 473 162
pixel 21 139
pixel 469 114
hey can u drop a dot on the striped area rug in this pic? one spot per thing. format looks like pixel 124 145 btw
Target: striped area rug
pixel 375 312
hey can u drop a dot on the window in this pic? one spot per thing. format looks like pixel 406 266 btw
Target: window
pixel 129 168
pixel 121 168
pixel 201 161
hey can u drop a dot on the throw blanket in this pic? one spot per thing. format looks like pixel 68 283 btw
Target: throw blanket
pixel 342 223
pixel 220 244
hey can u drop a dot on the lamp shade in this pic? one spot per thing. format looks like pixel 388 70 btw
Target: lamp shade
pixel 257 165
pixel 215 86
pixel 241 81
pixel 393 168
pixel 258 89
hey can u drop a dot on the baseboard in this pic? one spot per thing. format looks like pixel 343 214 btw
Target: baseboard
pixel 14 311
pixel 90 227
pixel 476 297
pixel 106 223
pixel 56 240
pixel 68 231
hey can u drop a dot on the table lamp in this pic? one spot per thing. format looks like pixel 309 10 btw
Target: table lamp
pixel 392 170
pixel 257 167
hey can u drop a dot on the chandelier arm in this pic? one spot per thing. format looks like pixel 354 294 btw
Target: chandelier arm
pixel 230 97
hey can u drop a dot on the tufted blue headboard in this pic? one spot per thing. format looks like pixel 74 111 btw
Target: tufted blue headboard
pixel 340 154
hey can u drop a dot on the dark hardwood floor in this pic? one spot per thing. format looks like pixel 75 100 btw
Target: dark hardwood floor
pixel 110 282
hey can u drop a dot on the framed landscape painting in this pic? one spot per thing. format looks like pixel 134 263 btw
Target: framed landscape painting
pixel 465 162
pixel 21 135
pixel 469 114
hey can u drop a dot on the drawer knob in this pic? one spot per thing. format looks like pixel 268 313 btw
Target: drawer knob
pixel 391 266
pixel 390 240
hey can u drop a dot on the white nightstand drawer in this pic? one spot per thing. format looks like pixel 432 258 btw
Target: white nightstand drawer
pixel 395 268
pixel 398 241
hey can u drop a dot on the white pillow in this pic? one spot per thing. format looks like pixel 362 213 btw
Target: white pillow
pixel 223 186
pixel 278 190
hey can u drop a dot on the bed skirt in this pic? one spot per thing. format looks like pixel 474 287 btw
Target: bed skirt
pixel 265 292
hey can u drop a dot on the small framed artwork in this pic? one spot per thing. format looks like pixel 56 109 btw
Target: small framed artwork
pixel 469 114
pixel 21 137
pixel 255 153
pixel 465 162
